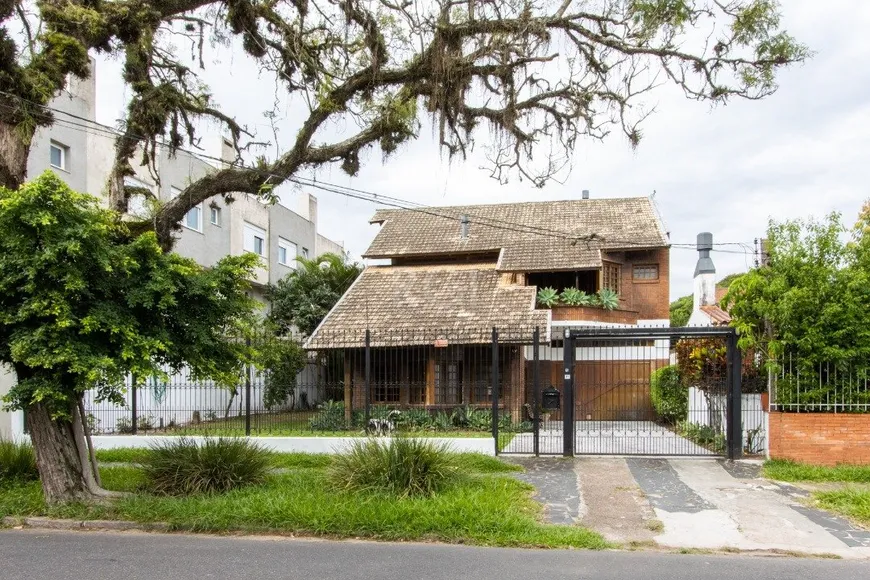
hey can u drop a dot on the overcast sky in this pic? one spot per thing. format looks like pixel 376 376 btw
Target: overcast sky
pixel 805 151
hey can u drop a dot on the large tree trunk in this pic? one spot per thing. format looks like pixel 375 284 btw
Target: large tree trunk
pixel 65 460
pixel 14 149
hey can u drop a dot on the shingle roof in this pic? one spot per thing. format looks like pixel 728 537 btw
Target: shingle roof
pixel 416 305
pixel 533 236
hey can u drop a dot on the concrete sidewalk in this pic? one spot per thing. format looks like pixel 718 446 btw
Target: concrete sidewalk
pixel 690 503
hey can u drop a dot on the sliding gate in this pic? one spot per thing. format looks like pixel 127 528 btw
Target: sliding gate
pixel 630 391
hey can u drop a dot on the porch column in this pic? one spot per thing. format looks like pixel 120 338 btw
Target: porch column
pixel 348 394
pixel 517 384
pixel 430 377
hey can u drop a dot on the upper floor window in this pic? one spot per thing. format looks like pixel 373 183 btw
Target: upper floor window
pixel 193 218
pixel 286 252
pixel 610 277
pixel 305 253
pixel 646 272
pixel 215 213
pixel 255 240
pixel 58 155
pixel 138 204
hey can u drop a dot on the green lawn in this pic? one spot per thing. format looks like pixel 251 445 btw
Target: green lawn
pixel 784 470
pixel 852 500
pixel 486 506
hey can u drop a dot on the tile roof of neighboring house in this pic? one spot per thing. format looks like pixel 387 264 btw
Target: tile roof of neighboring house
pixel 419 304
pixel 716 314
pixel 533 236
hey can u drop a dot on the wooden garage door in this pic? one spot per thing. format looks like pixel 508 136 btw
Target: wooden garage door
pixel 613 390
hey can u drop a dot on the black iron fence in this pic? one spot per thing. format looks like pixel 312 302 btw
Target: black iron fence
pixel 438 382
pixel 630 391
pixel 820 387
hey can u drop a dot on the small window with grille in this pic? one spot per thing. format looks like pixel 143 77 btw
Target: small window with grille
pixel 646 273
pixel 610 277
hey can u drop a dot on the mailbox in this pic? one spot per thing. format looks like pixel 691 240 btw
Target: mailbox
pixel 551 399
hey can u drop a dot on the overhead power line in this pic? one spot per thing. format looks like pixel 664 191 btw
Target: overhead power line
pixel 98 129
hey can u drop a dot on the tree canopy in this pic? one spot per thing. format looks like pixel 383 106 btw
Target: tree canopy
pixel 681 310
pixel 517 78
pixel 83 304
pixel 304 297
pixel 810 301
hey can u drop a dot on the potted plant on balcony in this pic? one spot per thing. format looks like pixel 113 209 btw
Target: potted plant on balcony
pixel 548 297
pixel 575 297
pixel 608 299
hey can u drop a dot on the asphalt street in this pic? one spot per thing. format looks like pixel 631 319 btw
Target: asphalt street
pixel 40 555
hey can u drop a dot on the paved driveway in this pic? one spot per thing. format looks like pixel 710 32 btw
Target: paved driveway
pixel 609 438
pixel 689 503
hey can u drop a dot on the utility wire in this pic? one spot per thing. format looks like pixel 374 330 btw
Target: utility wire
pixel 98 129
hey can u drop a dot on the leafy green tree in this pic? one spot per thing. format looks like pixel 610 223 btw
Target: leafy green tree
pixel 810 301
pixel 84 304
pixel 681 310
pixel 280 359
pixel 304 297
pixel 530 78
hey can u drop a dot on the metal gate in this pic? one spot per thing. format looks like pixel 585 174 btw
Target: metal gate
pixel 631 391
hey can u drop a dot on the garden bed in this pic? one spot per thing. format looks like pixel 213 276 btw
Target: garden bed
pixel 486 506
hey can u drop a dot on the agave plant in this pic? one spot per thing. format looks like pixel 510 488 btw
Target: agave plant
pixel 570 296
pixel 548 297
pixel 585 299
pixel 608 299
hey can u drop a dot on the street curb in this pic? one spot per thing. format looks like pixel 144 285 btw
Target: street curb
pixel 107 525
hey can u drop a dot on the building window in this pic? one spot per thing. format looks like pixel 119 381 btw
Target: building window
pixel 646 273
pixel 58 155
pixel 286 253
pixel 138 205
pixel 215 216
pixel 610 277
pixel 193 219
pixel 255 240
pixel 305 253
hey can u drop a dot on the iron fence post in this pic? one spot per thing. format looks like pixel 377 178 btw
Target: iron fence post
pixel 134 407
pixel 248 394
pixel 734 415
pixel 495 387
pixel 536 390
pixel 368 384
pixel 568 395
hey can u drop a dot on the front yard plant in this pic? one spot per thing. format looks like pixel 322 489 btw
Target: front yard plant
pixel 183 467
pixel 670 398
pixel 401 467
pixel 17 461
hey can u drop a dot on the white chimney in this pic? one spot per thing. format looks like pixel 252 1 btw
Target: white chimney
pixel 705 280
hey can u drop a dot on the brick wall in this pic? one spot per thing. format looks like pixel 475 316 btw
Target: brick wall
pixel 651 299
pixel 820 438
